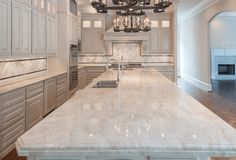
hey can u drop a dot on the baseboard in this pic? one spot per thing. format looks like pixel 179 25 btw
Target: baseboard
pixel 196 82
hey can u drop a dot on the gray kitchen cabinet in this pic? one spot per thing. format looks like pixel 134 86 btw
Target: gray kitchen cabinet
pixel 167 71
pixel 51 8
pixel 86 44
pixel 50 95
pixel 38 33
pixel 5 28
pixel 155 45
pixel 73 29
pixel 12 119
pixel 82 77
pixel 34 104
pixel 94 72
pixel 21 29
pixel 25 2
pixel 51 36
pixel 61 89
pixel 160 37
pixel 93 28
pixel 39 5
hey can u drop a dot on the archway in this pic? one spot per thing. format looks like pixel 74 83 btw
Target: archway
pixel 223 54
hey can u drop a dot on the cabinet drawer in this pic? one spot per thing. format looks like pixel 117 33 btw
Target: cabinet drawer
pixel 61 89
pixel 10 135
pixel 34 90
pixel 61 79
pixel 61 99
pixel 96 69
pixel 12 108
pixel 168 69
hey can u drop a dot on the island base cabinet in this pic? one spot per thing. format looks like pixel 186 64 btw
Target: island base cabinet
pixel 50 95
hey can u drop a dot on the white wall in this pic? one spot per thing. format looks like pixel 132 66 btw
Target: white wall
pixel 194 44
pixel 223 32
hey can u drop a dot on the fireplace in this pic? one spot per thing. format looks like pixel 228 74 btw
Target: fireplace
pixel 226 69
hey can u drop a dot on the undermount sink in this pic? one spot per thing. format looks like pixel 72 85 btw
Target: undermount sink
pixel 106 84
pixel 124 69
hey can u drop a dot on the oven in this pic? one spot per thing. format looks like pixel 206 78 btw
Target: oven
pixel 73 67
pixel 73 77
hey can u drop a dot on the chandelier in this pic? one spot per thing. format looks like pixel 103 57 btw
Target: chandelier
pixel 131 16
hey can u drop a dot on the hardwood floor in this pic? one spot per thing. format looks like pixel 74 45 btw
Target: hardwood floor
pixel 222 101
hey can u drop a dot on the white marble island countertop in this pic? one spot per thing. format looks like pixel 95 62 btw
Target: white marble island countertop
pixel 145 116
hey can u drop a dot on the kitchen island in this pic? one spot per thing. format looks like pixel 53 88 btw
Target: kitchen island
pixel 145 117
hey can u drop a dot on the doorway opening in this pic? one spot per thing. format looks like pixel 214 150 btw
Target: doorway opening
pixel 223 54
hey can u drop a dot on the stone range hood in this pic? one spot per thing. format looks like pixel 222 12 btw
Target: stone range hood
pixel 111 37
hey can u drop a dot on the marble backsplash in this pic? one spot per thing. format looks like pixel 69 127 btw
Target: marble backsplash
pixel 16 68
pixel 127 52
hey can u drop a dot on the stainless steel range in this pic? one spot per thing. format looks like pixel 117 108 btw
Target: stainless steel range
pixel 73 68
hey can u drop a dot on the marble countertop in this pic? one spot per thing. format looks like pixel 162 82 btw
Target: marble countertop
pixel 146 112
pixel 28 81
pixel 154 64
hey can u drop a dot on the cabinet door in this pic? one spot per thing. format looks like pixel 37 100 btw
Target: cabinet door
pixel 42 5
pixel 54 8
pixel 21 29
pixel 5 28
pixel 35 4
pixel 17 28
pixel 38 33
pixel 154 41
pixel 73 29
pixel 35 36
pixel 50 94
pixel 51 36
pixel 34 110
pixel 26 30
pixel 41 33
pixel 86 44
pixel 98 42
pixel 166 36
pixel 166 40
pixel 49 7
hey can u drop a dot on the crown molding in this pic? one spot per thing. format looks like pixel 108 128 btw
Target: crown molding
pixel 198 9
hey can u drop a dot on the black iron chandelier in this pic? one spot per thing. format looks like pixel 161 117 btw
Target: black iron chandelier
pixel 130 13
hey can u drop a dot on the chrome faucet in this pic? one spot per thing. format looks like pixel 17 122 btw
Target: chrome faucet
pixel 118 66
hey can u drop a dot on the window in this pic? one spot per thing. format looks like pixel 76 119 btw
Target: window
pixel 166 24
pixel 86 24
pixel 97 24
pixel 154 24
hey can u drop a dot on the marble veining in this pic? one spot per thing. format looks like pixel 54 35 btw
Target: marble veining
pixel 14 68
pixel 145 113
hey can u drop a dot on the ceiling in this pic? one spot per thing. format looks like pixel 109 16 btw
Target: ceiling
pixel 182 6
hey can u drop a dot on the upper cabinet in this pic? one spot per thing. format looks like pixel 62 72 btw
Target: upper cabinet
pixel 160 41
pixel 93 28
pixel 21 29
pixel 39 5
pixel 51 8
pixel 28 27
pixel 5 28
pixel 38 31
pixel 51 27
pixel 73 29
pixel 51 36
